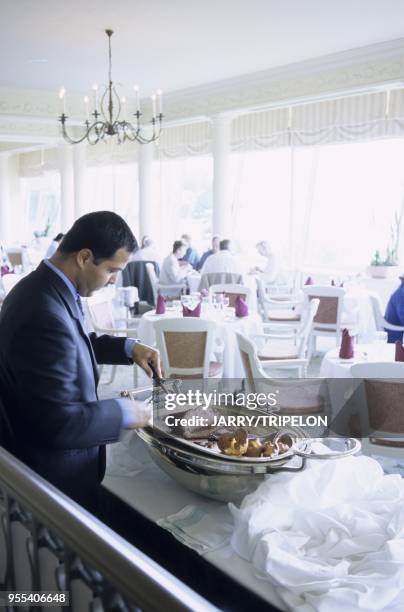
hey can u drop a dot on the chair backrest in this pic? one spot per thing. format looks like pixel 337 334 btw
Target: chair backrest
pixel 377 312
pixel 306 326
pixel 185 346
pixel 9 281
pixel 220 278
pixel 330 308
pixel 232 291
pixel 383 418
pixel 135 274
pixel 153 279
pixel 250 361
pixel 16 257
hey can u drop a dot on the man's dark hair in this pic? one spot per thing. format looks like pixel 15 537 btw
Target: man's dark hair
pixel 177 245
pixel 224 245
pixel 102 232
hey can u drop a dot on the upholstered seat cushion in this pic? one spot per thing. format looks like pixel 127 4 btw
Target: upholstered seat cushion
pixel 278 350
pixel 283 315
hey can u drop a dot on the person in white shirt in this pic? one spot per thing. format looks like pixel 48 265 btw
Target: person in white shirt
pixel 146 251
pixel 269 271
pixel 223 262
pixel 172 273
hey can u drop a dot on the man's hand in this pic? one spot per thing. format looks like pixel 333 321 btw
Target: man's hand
pixel 144 355
pixel 136 414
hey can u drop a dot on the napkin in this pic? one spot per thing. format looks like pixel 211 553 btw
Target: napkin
pixel 187 312
pixel 204 292
pixel 399 351
pixel 309 281
pixel 5 270
pixel 241 308
pixel 346 351
pixel 201 530
pixel 161 305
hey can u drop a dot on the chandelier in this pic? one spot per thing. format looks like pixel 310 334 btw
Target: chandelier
pixel 109 114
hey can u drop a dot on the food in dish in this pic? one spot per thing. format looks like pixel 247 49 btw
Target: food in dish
pixel 234 443
pixel 237 444
pixel 254 448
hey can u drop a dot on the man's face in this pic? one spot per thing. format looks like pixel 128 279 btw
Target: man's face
pixel 180 252
pixel 92 276
pixel 215 244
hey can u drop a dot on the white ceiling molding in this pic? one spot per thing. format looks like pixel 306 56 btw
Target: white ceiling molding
pixel 33 114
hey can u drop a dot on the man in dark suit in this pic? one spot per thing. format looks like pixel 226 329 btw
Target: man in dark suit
pixel 48 363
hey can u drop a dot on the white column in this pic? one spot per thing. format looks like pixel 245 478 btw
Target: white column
pixel 145 190
pixel 67 209
pixel 4 198
pixel 79 172
pixel 221 222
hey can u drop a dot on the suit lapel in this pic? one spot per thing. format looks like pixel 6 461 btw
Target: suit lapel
pixel 73 309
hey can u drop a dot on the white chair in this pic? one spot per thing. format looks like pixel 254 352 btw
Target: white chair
pixel 381 323
pixel 10 280
pixel 306 396
pixel 328 321
pixel 101 313
pixel 185 347
pixel 278 313
pixel 291 351
pixel 232 291
pixel 220 278
pixel 165 290
pixel 381 414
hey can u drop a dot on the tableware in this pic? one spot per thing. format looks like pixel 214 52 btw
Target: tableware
pixel 227 478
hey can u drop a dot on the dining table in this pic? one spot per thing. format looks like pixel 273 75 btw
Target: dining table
pixel 333 366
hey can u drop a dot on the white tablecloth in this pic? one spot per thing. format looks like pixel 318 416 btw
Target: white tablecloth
pixel 334 367
pixel 226 327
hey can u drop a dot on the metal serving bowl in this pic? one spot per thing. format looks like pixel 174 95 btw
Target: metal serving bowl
pixel 225 478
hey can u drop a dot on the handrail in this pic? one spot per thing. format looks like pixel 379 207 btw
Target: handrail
pixel 137 577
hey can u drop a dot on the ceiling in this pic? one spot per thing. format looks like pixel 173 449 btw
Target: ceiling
pixel 176 44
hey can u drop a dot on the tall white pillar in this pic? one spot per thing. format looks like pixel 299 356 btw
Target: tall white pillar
pixel 145 189
pixel 221 221
pixel 4 198
pixel 79 172
pixel 67 208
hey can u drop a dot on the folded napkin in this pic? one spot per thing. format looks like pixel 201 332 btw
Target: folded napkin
pixel 187 312
pixel 241 308
pixel 201 530
pixel 309 281
pixel 5 270
pixel 399 351
pixel 346 351
pixel 204 292
pixel 161 304
pixel 329 538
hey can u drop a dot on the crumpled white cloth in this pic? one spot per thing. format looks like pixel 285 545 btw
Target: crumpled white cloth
pixel 331 538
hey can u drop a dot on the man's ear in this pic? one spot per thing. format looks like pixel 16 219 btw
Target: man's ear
pixel 83 257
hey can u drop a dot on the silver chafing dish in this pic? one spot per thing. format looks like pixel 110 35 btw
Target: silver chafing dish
pixel 211 473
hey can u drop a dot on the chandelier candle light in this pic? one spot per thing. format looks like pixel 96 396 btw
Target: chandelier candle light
pixel 110 114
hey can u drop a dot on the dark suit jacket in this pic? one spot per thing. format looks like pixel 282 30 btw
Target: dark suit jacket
pixel 48 384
